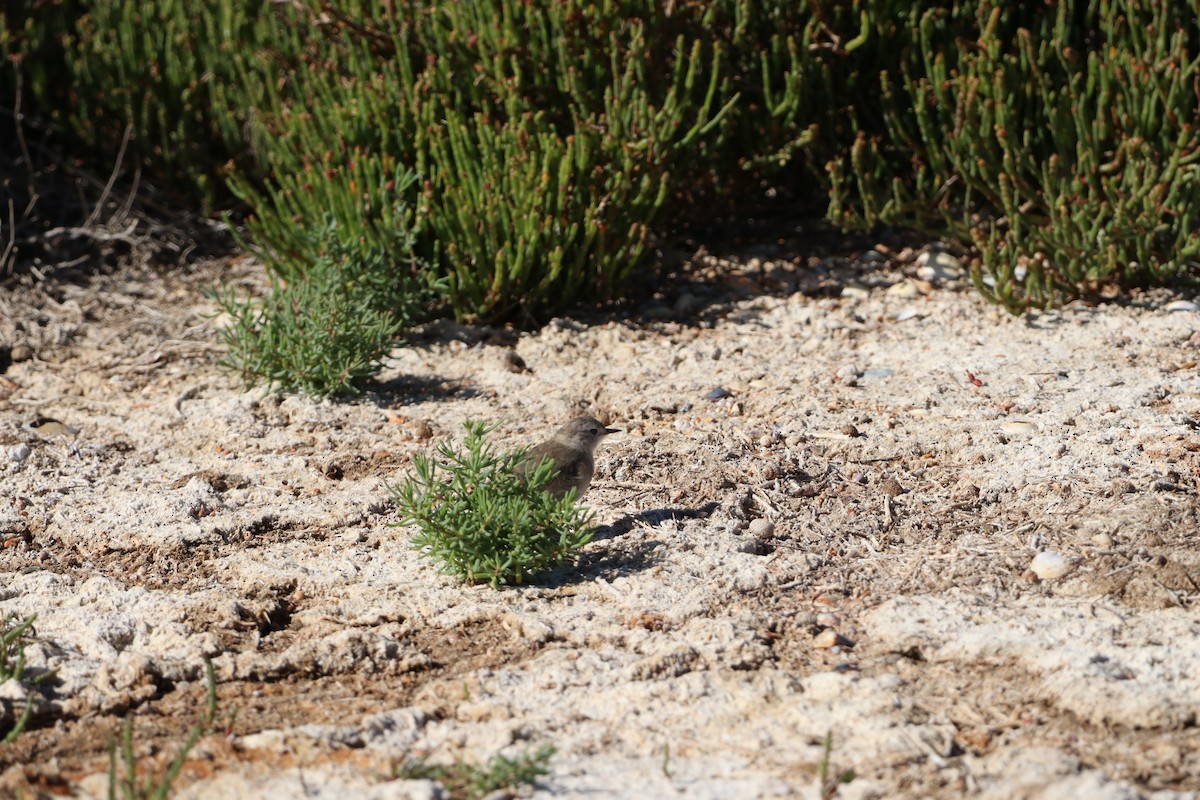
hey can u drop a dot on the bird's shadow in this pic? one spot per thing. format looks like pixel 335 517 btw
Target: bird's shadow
pixel 612 562
pixel 653 517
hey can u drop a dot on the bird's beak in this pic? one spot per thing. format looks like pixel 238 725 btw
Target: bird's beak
pixel 607 431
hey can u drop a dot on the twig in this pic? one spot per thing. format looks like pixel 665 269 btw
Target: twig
pixel 12 238
pixel 112 178
pixel 20 129
pixel 96 234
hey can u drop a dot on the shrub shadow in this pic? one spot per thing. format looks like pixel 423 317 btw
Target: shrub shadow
pixel 613 562
pixel 406 389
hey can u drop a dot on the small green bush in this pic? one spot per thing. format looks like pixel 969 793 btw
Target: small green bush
pixel 483 520
pixel 324 330
pixel 14 635
pixel 464 781
pixel 125 783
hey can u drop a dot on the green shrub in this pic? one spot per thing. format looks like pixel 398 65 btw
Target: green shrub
pixel 552 140
pixel 464 781
pixel 183 77
pixel 546 136
pixel 1061 140
pixel 14 635
pixel 323 331
pixel 125 784
pixel 483 520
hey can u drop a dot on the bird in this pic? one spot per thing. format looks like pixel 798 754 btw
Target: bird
pixel 572 448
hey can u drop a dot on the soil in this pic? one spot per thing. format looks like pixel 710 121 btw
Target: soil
pixel 814 574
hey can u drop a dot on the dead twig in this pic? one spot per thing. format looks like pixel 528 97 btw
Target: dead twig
pixel 112 178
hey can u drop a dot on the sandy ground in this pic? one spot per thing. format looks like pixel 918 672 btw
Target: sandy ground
pixel 822 519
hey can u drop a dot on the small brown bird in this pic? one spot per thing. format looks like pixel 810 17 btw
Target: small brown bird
pixel 572 448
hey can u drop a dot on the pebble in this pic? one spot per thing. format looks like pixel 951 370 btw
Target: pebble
pixel 686 303
pixel 848 375
pixel 762 528
pixel 891 487
pixel 878 372
pixel 855 290
pixel 754 546
pixel 903 289
pixel 830 638
pixel 514 363
pixel 1103 539
pixel 18 453
pixel 718 394
pixel 1174 305
pixel 1049 565
pixel 827 619
pixel 938 267
pixel 1019 427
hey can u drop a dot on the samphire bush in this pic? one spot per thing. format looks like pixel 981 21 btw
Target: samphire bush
pixel 551 141
pixel 550 137
pixel 482 519
pixel 1060 139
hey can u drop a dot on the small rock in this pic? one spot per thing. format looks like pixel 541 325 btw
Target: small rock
pixel 848 374
pixel 513 362
pixel 21 352
pixel 18 453
pixel 1102 539
pixel 851 431
pixel 1174 305
pixel 827 619
pixel 751 579
pixel 754 546
pixel 718 394
pixel 686 303
pixel 1019 427
pixel 938 267
pixel 904 289
pixel 1049 565
pixel 891 487
pixel 829 638
pixel 762 528
pixel 878 373
pixel 14 691
pixel 855 290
